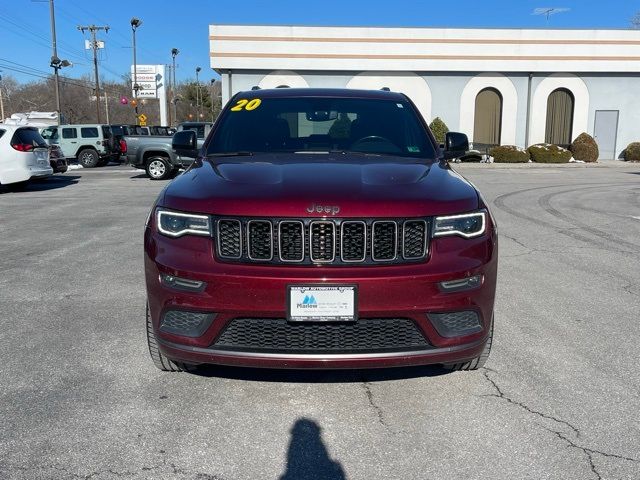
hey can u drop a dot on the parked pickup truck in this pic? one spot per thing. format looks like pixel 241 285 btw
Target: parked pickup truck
pixel 154 155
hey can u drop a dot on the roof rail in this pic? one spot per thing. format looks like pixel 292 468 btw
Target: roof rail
pixel 283 86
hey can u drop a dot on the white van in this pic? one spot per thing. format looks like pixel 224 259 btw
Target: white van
pixel 23 154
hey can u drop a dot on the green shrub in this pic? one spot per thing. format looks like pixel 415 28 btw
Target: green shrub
pixel 632 152
pixel 439 129
pixel 546 153
pixel 509 154
pixel 585 148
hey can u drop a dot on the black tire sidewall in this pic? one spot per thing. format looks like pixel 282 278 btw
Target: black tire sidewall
pixel 168 168
pixel 95 158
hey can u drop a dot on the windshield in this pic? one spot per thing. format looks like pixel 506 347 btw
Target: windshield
pixel 50 133
pixel 323 124
pixel 117 130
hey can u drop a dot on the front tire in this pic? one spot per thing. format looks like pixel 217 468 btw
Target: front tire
pixel 476 363
pixel 89 158
pixel 159 360
pixel 158 168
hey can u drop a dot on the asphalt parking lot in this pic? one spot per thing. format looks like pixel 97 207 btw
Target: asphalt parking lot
pixel 559 399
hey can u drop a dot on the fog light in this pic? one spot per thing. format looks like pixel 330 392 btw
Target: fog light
pixel 188 324
pixel 461 284
pixel 182 284
pixel 456 324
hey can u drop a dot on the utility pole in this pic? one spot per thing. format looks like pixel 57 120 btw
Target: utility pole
pixel 54 56
pixel 170 89
pixel 94 45
pixel 1 102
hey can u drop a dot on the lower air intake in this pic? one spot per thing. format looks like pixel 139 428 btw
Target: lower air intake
pixel 279 336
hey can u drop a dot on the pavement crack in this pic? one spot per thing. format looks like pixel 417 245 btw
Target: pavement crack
pixel 501 395
pixel 590 452
pixel 513 239
pixel 629 289
pixel 376 408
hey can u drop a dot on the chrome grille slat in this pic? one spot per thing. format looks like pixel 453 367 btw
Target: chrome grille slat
pixel 322 241
pixel 291 241
pixel 414 239
pixel 384 241
pixel 229 238
pixel 259 240
pixel 353 245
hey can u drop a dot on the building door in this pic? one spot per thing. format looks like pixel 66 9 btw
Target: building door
pixel 559 117
pixel 605 133
pixel 488 118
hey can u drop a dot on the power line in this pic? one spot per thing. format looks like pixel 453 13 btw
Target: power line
pixel 38 39
pixel 66 80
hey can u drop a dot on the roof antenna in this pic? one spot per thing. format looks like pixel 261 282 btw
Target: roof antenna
pixel 385 89
pixel 548 11
pixel 255 87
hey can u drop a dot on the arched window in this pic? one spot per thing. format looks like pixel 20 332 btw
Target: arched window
pixel 488 117
pixel 560 107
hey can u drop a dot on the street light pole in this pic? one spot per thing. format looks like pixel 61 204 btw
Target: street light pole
pixel 135 23
pixel 174 53
pixel 198 92
pixel 54 57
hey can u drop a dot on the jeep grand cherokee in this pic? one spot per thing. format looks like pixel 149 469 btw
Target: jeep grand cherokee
pixel 320 228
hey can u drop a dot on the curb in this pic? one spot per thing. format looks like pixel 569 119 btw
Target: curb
pixel 603 164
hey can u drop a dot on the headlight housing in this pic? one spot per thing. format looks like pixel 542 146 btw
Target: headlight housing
pixel 467 225
pixel 177 224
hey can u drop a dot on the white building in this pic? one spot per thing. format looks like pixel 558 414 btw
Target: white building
pixel 499 86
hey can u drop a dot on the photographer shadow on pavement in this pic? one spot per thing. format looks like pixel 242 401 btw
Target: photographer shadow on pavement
pixel 307 456
pixel 50 183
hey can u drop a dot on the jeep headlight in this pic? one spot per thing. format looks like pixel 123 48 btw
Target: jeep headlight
pixel 467 225
pixel 177 224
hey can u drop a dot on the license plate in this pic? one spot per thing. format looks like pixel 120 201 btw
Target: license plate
pixel 41 157
pixel 321 303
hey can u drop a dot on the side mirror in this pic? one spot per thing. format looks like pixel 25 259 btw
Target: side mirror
pixel 185 144
pixel 455 145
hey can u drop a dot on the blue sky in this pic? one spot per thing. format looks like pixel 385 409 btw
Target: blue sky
pixel 25 37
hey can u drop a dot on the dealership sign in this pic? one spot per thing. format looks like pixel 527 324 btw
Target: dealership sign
pixel 149 79
pixel 151 84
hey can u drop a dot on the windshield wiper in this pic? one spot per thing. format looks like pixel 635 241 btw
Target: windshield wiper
pixel 356 152
pixel 229 154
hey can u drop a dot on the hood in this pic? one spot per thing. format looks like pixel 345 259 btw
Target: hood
pixel 298 185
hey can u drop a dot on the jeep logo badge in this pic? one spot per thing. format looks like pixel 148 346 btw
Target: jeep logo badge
pixel 323 209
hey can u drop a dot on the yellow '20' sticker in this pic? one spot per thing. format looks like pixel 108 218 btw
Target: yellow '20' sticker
pixel 245 104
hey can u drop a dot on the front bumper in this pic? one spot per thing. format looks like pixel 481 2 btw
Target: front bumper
pixel 259 291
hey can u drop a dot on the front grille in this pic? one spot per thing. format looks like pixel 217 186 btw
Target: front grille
pixel 314 241
pixel 279 336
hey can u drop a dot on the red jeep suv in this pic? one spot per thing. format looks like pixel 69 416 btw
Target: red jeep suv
pixel 320 228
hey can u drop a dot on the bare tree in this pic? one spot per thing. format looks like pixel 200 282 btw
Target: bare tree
pixel 77 98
